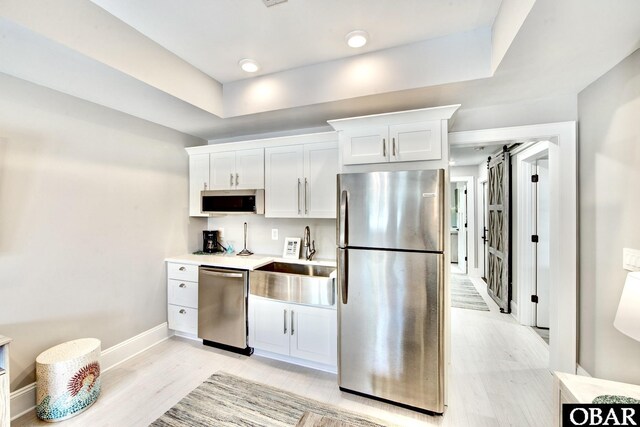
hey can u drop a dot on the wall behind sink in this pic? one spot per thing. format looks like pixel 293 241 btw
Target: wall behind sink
pixel 259 241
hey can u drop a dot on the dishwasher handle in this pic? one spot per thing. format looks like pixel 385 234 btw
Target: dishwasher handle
pixel 221 274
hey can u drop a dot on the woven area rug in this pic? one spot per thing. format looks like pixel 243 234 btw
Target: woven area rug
pixel 465 295
pixel 226 400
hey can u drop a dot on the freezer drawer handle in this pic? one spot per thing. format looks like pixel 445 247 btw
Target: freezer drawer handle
pixel 219 274
pixel 285 321
pixel 343 274
pixel 344 218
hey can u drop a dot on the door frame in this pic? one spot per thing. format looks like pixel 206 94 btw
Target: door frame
pixel 481 225
pixel 471 223
pixel 563 182
pixel 524 227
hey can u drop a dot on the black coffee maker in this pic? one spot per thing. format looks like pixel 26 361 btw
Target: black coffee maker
pixel 210 243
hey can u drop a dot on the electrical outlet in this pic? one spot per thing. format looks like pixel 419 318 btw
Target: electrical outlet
pixel 220 233
pixel 274 234
pixel 631 259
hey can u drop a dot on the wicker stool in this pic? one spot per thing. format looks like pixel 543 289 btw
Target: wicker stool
pixel 67 379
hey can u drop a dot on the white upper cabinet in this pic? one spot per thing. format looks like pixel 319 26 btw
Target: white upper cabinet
pixel 298 173
pixel 415 141
pixel 396 143
pixel 403 136
pixel 223 170
pixel 198 181
pixel 237 170
pixel 284 175
pixel 250 169
pixel 300 181
pixel 366 145
pixel 321 169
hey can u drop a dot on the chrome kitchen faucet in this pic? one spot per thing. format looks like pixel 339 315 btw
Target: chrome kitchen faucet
pixel 309 245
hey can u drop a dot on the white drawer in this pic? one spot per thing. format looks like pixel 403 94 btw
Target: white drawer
pixel 187 272
pixel 183 319
pixel 183 292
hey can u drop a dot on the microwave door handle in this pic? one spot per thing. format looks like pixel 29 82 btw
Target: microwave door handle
pixel 344 219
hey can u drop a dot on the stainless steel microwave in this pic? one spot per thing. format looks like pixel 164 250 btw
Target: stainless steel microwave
pixel 232 202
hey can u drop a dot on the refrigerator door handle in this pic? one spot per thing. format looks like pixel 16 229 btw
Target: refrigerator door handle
pixel 344 219
pixel 343 274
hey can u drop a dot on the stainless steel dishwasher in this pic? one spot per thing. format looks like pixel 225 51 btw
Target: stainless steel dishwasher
pixel 222 308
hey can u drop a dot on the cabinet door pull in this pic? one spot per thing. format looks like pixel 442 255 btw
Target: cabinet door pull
pixel 394 146
pixel 292 330
pixel 285 321
pixel 231 179
pixel 205 186
pixel 236 180
pixel 299 210
pixel 182 285
pixel 182 269
pixel 384 147
pixel 306 196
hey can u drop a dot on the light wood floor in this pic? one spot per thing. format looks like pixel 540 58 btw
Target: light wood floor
pixel 498 378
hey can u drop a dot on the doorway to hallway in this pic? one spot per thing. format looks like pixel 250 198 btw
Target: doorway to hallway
pixel 562 216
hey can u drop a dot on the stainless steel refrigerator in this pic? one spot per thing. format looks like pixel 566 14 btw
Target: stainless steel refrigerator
pixel 390 283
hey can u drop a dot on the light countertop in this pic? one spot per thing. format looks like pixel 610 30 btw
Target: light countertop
pixel 250 262
pixel 585 389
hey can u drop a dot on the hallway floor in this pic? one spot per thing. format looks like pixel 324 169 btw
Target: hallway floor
pixel 498 377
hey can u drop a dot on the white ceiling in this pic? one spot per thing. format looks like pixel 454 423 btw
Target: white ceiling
pixel 165 61
pixel 215 35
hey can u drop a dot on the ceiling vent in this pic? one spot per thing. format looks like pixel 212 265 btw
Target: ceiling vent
pixel 270 3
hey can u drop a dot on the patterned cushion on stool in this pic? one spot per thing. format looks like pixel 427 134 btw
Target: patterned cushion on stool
pixel 67 379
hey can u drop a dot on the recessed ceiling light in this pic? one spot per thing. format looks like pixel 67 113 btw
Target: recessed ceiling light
pixel 357 38
pixel 249 65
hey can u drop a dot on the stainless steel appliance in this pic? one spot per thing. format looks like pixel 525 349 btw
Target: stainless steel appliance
pixel 232 201
pixel 390 284
pixel 222 308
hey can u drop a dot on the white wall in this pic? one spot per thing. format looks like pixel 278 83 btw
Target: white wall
pixel 91 202
pixel 609 161
pixel 259 241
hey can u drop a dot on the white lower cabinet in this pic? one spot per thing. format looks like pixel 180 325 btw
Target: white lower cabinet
pixel 182 298
pixel 183 319
pixel 298 331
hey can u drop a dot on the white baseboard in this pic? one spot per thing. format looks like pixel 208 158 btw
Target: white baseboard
pixel 187 336
pixel 294 360
pixel 23 400
pixel 581 371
